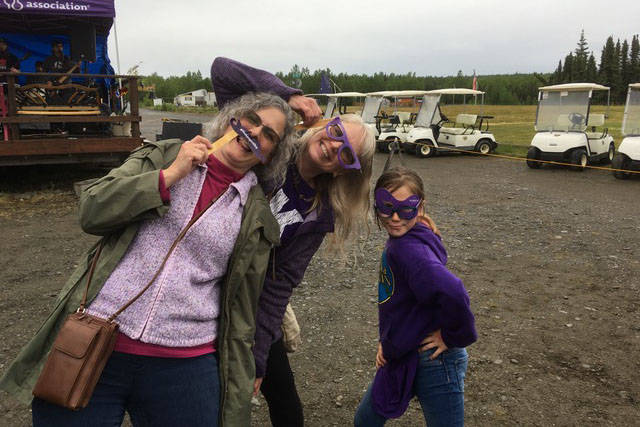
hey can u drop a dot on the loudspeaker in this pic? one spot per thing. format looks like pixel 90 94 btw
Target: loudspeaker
pixel 83 42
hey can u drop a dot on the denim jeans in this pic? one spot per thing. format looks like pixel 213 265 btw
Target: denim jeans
pixel 154 391
pixel 439 387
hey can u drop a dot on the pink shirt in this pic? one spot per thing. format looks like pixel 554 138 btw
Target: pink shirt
pixel 218 179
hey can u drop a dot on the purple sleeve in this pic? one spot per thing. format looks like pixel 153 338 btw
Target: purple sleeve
pixel 433 282
pixel 291 262
pixel 232 79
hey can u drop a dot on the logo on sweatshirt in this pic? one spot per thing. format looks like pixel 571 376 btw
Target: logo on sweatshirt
pixel 385 280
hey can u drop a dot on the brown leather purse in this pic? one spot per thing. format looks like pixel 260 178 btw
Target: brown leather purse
pixel 78 356
pixel 84 344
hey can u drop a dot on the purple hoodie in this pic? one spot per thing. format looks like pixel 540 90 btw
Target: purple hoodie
pixel 416 296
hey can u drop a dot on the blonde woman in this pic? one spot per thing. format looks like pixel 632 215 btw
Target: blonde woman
pixel 325 190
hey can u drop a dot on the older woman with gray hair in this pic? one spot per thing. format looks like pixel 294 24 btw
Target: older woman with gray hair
pixel 183 355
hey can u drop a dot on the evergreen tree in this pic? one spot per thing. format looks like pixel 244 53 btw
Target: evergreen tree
pixel 556 77
pixel 625 70
pixel 608 63
pixel 580 58
pixel 634 60
pixel 591 72
pixel 568 71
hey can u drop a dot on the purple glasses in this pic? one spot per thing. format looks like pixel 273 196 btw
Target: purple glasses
pixel 244 134
pixel 346 154
pixel 387 205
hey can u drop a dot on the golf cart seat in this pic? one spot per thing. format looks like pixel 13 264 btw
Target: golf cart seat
pixel 467 121
pixel 594 121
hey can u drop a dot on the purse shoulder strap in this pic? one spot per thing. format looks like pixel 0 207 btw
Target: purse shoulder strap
pixel 155 276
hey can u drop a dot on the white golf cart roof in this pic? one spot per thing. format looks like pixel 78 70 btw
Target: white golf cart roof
pixel 634 85
pixel 399 93
pixel 454 91
pixel 569 87
pixel 339 94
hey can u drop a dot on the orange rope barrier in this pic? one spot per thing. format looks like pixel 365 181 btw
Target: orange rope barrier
pixel 502 156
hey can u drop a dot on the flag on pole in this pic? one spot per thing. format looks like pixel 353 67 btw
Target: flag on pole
pixel 474 85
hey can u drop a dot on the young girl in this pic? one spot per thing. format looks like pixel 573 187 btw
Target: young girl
pixel 417 298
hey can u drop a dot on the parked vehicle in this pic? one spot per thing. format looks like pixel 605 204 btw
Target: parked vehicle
pixel 566 130
pixel 430 132
pixel 398 124
pixel 628 155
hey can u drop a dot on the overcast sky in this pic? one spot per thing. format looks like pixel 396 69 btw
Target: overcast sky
pixel 171 37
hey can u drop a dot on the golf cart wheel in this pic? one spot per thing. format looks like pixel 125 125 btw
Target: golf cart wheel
pixel 620 161
pixel 533 154
pixel 425 148
pixel 484 146
pixel 610 154
pixel 579 159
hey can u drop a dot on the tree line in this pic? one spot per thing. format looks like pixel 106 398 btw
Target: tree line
pixel 501 89
pixel 619 65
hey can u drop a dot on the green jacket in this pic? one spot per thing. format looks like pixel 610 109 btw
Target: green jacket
pixel 113 207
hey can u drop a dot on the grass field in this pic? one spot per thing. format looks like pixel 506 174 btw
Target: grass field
pixel 512 125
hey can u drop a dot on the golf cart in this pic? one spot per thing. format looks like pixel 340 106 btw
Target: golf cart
pixel 628 155
pixel 566 130
pixel 466 132
pixel 399 123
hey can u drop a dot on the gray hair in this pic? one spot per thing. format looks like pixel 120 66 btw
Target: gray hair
pixel 276 169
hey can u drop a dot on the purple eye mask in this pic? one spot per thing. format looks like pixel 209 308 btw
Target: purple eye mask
pixel 244 133
pixel 387 205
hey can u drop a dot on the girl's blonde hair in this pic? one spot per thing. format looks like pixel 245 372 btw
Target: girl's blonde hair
pixel 348 191
pixel 396 177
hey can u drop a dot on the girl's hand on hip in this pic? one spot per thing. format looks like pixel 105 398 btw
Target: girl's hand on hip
pixel 306 107
pixel 433 340
pixel 192 153
pixel 380 360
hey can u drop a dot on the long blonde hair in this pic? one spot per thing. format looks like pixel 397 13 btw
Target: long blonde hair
pixel 348 191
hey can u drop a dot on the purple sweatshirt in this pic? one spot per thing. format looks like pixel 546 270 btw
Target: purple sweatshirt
pixel 232 79
pixel 416 296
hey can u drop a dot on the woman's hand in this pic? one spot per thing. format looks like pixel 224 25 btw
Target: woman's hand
pixel 307 108
pixel 433 340
pixel 192 153
pixel 256 386
pixel 380 360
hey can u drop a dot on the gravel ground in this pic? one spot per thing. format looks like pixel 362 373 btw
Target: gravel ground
pixel 550 259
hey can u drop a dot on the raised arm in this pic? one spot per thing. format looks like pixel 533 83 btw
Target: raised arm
pixel 126 194
pixel 232 79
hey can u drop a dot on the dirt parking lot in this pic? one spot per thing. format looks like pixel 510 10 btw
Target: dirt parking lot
pixel 550 259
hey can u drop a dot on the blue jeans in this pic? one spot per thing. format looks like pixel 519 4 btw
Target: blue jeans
pixel 154 391
pixel 439 387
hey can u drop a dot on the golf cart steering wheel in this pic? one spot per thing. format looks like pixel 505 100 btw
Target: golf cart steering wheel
pixel 576 119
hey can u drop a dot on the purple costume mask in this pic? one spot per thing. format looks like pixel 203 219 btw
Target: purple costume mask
pixel 386 205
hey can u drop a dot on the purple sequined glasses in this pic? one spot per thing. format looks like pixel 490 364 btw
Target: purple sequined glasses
pixel 387 205
pixel 346 154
